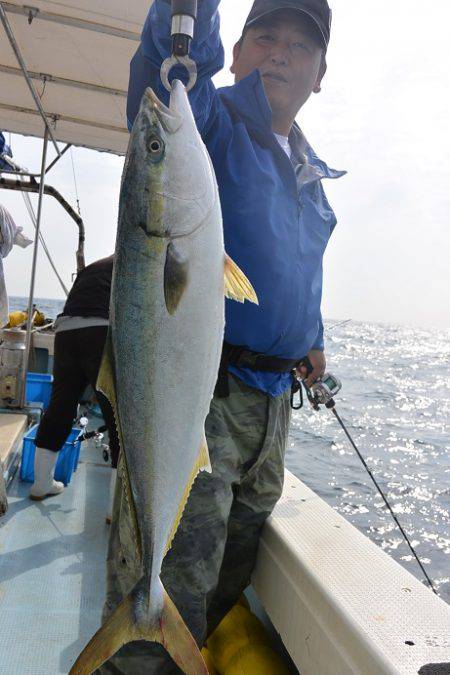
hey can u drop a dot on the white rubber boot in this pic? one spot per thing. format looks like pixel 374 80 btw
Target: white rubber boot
pixel 112 489
pixel 44 468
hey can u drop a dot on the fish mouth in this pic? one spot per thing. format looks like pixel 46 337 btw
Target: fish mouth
pixel 170 120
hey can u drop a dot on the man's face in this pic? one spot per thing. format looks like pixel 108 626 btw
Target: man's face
pixel 287 53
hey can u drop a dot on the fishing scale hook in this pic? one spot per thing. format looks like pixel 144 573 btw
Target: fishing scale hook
pixel 184 15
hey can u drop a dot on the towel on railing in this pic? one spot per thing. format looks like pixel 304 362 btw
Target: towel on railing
pixel 10 235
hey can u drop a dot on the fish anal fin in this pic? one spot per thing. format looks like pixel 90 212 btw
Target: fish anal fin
pixel 237 286
pixel 176 277
pixel 121 627
pixel 202 463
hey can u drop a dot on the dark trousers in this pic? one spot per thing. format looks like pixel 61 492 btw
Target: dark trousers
pixel 78 355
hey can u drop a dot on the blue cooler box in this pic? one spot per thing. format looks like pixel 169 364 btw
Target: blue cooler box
pixel 67 462
pixel 39 388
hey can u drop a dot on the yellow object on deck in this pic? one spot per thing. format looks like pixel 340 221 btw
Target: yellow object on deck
pixel 17 318
pixel 241 646
pixel 209 662
pixel 39 319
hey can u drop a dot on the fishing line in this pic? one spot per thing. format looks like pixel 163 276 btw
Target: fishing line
pixel 75 182
pixel 321 393
pixel 338 325
pixel 335 413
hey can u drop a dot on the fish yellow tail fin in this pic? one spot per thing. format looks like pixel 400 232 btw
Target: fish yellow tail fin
pixel 169 630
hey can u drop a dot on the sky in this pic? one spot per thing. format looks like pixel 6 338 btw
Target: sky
pixel 383 115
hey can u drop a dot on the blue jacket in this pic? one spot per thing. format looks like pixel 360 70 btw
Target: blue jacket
pixel 276 232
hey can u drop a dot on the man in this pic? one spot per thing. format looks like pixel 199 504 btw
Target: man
pixel 81 332
pixel 277 223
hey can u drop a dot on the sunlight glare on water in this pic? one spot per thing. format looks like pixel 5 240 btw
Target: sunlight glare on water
pixel 396 403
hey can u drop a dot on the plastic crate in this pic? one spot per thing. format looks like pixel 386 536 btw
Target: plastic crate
pixel 39 388
pixel 67 457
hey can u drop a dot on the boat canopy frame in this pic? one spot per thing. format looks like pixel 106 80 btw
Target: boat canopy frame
pixel 109 133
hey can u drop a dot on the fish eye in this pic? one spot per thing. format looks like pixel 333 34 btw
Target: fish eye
pixel 156 148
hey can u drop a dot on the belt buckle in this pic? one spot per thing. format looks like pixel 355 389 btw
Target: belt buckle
pixel 252 360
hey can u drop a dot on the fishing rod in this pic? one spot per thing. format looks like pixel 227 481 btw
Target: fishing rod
pixel 323 392
pixel 338 325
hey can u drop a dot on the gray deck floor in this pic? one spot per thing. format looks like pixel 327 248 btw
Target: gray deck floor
pixel 52 570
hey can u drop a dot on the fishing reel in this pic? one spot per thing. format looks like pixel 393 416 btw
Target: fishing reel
pixel 323 391
pixel 320 393
pixel 184 15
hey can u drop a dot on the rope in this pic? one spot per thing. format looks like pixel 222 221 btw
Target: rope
pixel 75 182
pixel 29 206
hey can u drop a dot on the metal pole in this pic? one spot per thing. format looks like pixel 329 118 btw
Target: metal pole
pixel 33 273
pixel 19 57
pixel 63 151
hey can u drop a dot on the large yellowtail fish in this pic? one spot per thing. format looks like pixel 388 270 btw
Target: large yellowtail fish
pixel 163 353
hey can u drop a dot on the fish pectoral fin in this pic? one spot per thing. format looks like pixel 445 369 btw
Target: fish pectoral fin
pixel 237 286
pixel 168 629
pixel 176 277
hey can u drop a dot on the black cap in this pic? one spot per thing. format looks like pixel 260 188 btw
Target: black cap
pixel 317 10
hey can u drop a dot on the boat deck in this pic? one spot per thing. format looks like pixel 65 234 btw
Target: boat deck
pixel 52 569
pixel 12 427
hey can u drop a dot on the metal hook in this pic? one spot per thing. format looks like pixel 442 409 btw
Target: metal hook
pixel 185 61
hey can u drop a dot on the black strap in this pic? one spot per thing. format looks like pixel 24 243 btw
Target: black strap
pixel 241 357
pixel 245 358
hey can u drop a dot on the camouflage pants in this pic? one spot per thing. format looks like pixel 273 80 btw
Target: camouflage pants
pixel 215 547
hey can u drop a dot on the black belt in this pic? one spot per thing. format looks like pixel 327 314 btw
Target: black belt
pixel 242 357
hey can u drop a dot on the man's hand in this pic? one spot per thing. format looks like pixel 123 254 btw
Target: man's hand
pixel 319 364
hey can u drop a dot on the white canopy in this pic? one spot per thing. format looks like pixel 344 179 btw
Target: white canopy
pixel 77 53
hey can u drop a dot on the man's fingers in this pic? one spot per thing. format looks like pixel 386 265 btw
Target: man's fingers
pixel 316 374
pixel 311 379
pixel 302 371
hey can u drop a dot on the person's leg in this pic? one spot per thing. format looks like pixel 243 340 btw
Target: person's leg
pixel 254 500
pixel 91 344
pixel 68 384
pixel 191 568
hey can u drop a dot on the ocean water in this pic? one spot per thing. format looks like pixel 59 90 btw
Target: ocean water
pixel 395 402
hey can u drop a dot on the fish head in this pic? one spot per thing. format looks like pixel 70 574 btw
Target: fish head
pixel 168 184
pixel 189 187
pixel 141 198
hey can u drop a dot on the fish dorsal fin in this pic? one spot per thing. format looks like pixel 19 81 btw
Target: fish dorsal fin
pixel 106 384
pixel 237 286
pixel 202 463
pixel 176 277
